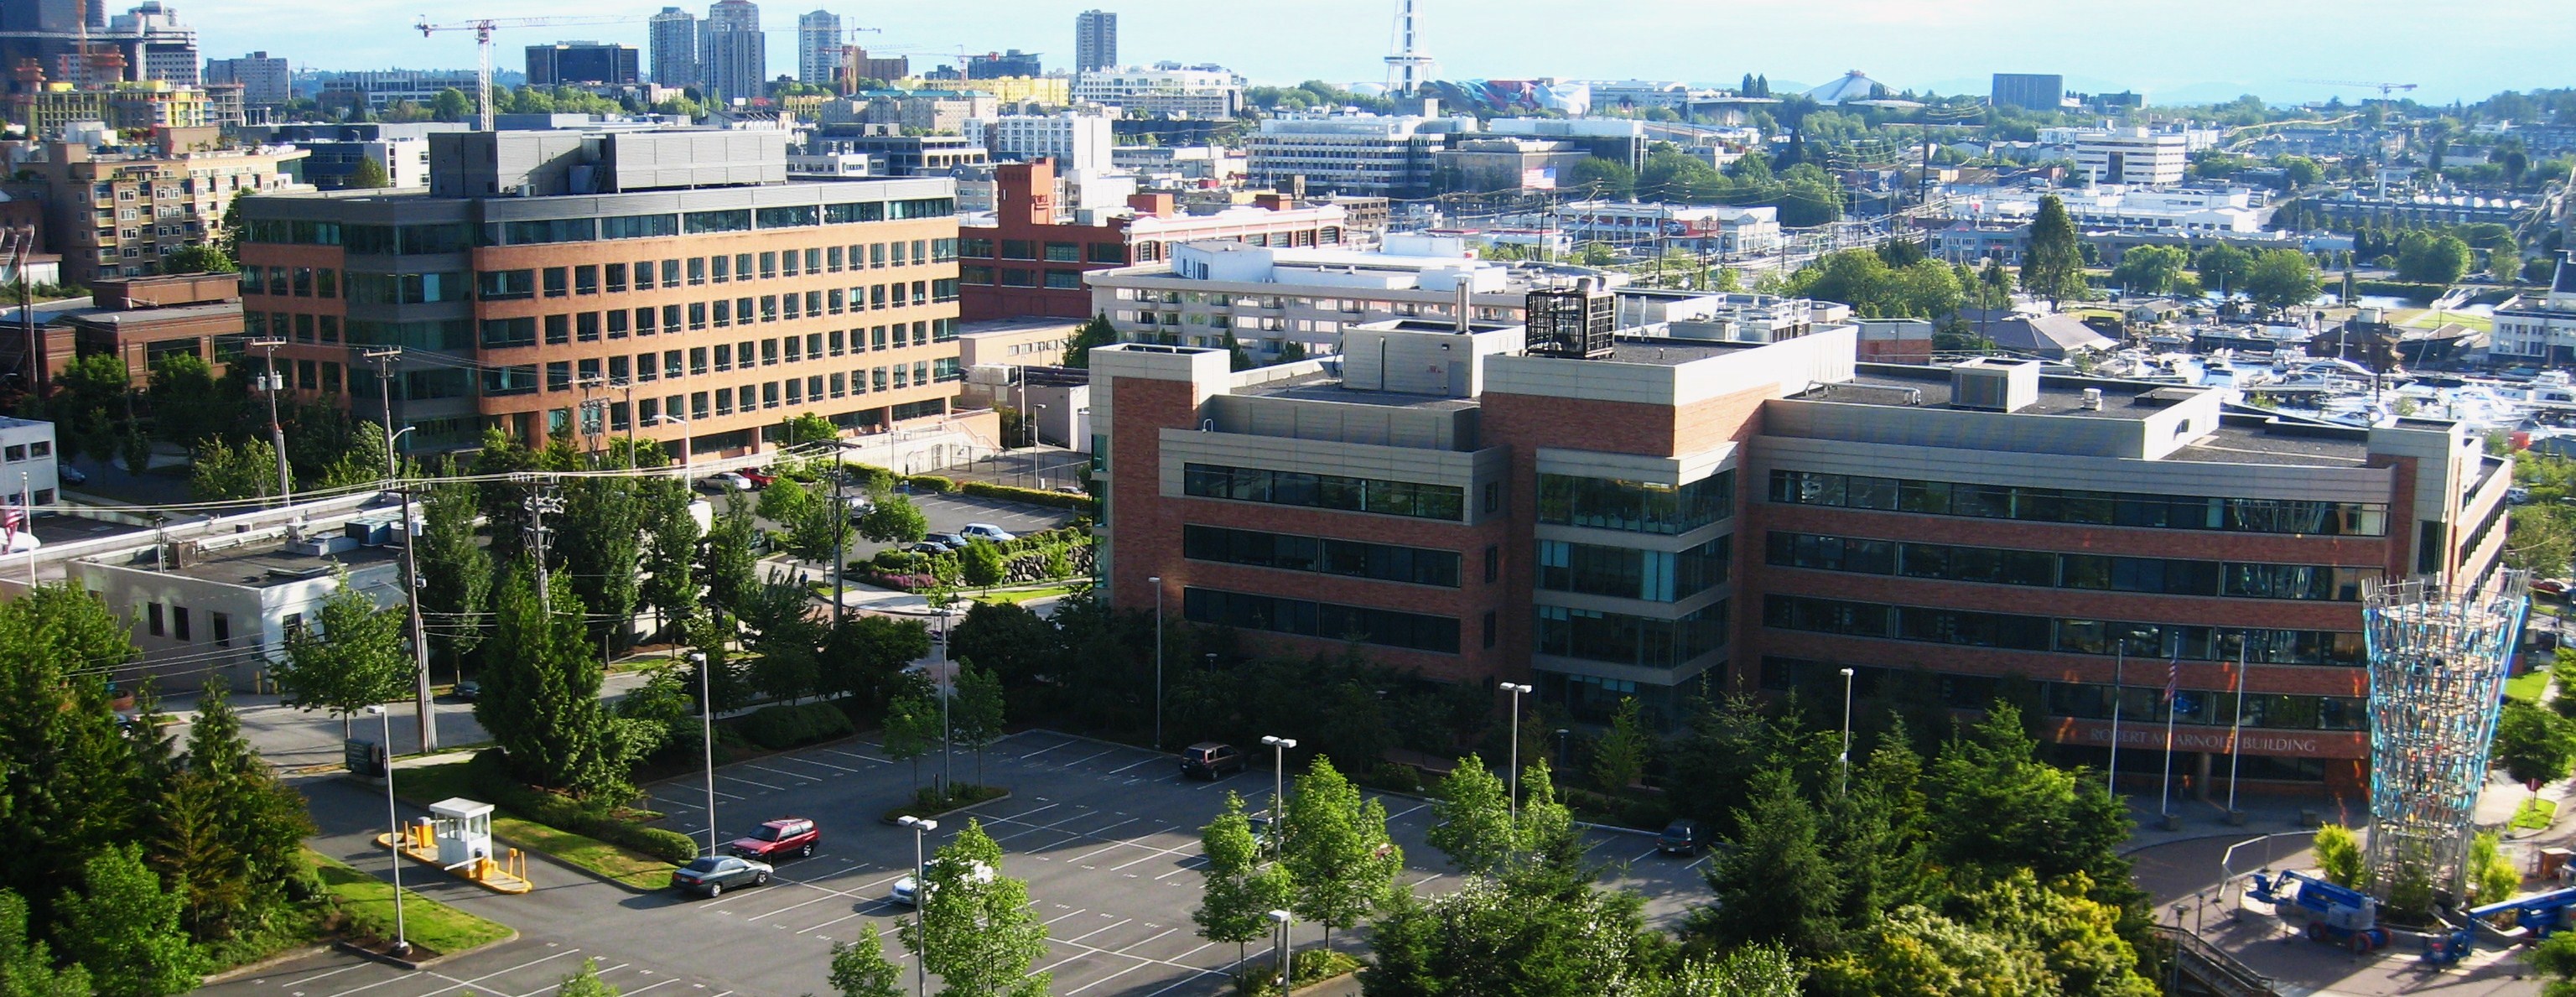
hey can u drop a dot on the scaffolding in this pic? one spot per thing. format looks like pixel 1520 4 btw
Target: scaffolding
pixel 2438 657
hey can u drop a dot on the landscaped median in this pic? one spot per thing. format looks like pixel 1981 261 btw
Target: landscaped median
pixel 365 905
pixel 641 860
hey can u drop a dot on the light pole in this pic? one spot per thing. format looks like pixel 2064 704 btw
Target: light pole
pixel 1845 760
pixel 947 691
pixel 393 820
pixel 1563 735
pixel 1516 691
pixel 1157 581
pixel 1034 458
pixel 686 458
pixel 920 892
pixel 1278 787
pixel 707 734
pixel 1286 948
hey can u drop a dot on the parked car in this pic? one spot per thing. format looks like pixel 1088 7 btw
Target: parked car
pixel 986 531
pixel 1682 837
pixel 946 541
pixel 924 547
pixel 760 479
pixel 2555 588
pixel 2516 495
pixel 466 692
pixel 859 505
pixel 70 475
pixel 711 874
pixel 907 890
pixel 729 481
pixel 1210 760
pixel 785 836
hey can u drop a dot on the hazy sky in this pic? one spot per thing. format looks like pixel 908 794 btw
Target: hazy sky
pixel 2184 50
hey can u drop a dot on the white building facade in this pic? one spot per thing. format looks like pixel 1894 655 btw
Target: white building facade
pixel 2133 156
pixel 1363 154
pixel 1724 230
pixel 1077 142
pixel 1207 92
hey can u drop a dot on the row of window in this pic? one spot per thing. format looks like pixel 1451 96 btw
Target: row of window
pixel 1628 573
pixel 2046 569
pixel 1330 621
pixel 1053 280
pixel 1052 252
pixel 2066 505
pixel 725 313
pixel 1322 555
pixel 1635 506
pixel 176 625
pixel 19 452
pixel 453 237
pixel 379 288
pixel 1325 491
pixel 562 376
pixel 1618 638
pixel 2017 632
pixel 2078 700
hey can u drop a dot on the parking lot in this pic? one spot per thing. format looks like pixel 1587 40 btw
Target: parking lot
pixel 1106 836
pixel 945 514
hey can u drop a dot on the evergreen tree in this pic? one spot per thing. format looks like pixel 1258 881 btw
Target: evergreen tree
pixel 911 729
pixel 980 564
pixel 1337 850
pixel 1096 332
pixel 455 570
pixel 124 928
pixel 977 711
pixel 350 656
pixel 601 536
pixel 1619 757
pixel 369 175
pixel 1774 882
pixel 67 777
pixel 732 566
pixel 1472 822
pixel 239 832
pixel 976 929
pixel 2053 267
pixel 670 551
pixel 541 689
pixel 861 969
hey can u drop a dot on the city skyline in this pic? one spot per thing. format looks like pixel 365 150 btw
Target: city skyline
pixel 2202 50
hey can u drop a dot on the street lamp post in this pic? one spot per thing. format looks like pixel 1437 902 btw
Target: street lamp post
pixel 393 821
pixel 1563 735
pixel 920 892
pixel 1286 946
pixel 947 691
pixel 707 734
pixel 1157 582
pixel 1278 787
pixel 1845 760
pixel 1516 691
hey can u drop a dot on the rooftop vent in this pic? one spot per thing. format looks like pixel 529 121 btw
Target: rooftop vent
pixel 1994 385
pixel 1576 323
pixel 2092 400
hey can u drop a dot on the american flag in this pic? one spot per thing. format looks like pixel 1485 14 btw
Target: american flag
pixel 2173 677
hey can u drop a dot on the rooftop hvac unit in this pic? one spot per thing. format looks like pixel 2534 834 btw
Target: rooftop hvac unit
pixel 1575 323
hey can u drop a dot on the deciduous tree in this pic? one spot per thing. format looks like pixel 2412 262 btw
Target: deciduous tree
pixel 1337 850
pixel 455 570
pixel 976 929
pixel 893 519
pixel 1240 889
pixel 861 969
pixel 351 655
pixel 26 964
pixel 124 928
pixel 2053 266
pixel 1471 818
pixel 977 712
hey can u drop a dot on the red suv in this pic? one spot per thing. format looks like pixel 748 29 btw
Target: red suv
pixel 777 839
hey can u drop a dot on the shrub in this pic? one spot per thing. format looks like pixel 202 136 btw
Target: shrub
pixel 931 483
pixel 489 774
pixel 783 726
pixel 1396 777
pixel 1032 496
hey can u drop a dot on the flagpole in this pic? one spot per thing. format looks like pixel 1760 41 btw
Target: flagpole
pixel 2236 729
pixel 2119 664
pixel 2164 798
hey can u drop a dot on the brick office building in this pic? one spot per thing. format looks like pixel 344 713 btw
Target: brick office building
pixel 547 281
pixel 1761 516
pixel 1028 257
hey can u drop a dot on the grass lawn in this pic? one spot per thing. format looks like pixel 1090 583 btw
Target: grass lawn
pixel 428 784
pixel 1016 597
pixel 2534 814
pixel 2527 688
pixel 369 904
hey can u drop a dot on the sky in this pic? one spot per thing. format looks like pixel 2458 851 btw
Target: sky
pixel 2175 51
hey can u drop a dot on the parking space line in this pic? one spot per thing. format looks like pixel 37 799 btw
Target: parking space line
pixel 1139 958
pixel 1040 751
pixel 763 785
pixel 764 768
pixel 1050 920
pixel 809 761
pixel 1113 846
pixel 1123 768
pixel 1703 860
pixel 1024 813
pixel 1185 867
pixel 334 972
pixel 1400 816
pixel 854 754
pixel 1112 976
pixel 1069 764
pixel 638 990
pixel 465 983
pixel 1649 853
pixel 1076 938
pixel 558 985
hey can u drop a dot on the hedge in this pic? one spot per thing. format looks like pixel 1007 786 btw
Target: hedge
pixel 782 726
pixel 489 773
pixel 1032 496
pixel 2423 293
pixel 930 483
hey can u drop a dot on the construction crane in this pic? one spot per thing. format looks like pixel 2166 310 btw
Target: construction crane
pixel 483 28
pixel 849 60
pixel 2384 89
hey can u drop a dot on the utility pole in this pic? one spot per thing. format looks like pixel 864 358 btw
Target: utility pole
pixel 384 359
pixel 840 529
pixel 276 429
pixel 539 503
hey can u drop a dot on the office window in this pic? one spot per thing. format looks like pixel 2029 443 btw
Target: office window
pixel 768 266
pixel 586 327
pixel 671 273
pixel 152 619
pixel 617 324
pixel 221 624
pixel 558 330
pixel 724 356
pixel 836 342
pixel 697 270
pixel 616 276
pixel 724 313
pixel 644 321
pixel 554 281
pixel 832 258
pixel 585 279
pixel 789 263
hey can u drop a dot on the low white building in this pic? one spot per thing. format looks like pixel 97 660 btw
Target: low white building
pixel 1077 142
pixel 2538 328
pixel 1267 297
pixel 2132 155
pixel 1166 91
pixel 28 472
pixel 1367 154
pixel 1732 230
pixel 2122 209
pixel 227 611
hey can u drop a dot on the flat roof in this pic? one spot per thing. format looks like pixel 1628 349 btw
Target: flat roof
pixel 263 565
pixel 2243 436
pixel 147 316
pixel 1323 387
pixel 1014 326
pixel 1664 351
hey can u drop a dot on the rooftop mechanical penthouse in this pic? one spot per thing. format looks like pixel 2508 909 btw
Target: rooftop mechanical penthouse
pixel 1612 516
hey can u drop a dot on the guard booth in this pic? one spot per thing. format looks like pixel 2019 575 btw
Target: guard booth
pixel 463 830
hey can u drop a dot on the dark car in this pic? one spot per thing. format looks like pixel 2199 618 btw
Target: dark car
pixel 466 692
pixel 712 874
pixel 1682 837
pixel 946 541
pixel 785 836
pixel 1210 760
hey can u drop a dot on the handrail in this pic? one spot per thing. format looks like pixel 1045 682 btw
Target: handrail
pixel 2215 968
